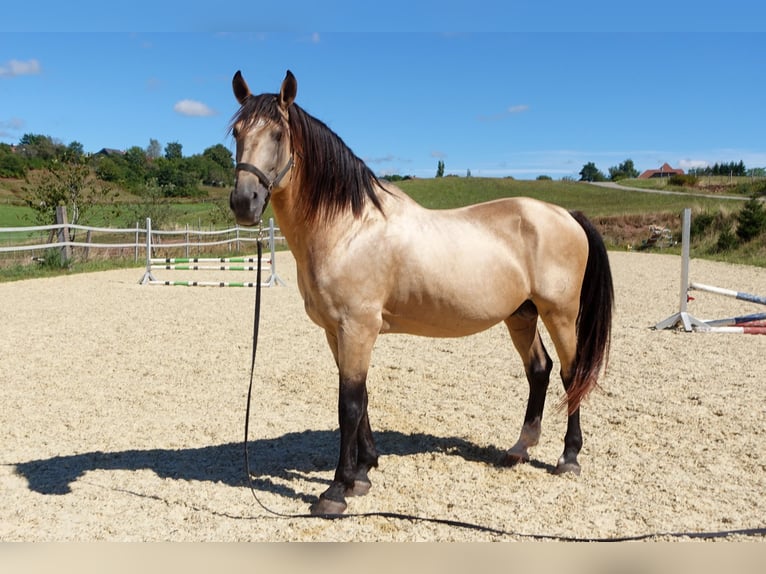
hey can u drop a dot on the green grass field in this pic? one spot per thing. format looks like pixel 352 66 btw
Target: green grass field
pixel 592 200
pixel 623 217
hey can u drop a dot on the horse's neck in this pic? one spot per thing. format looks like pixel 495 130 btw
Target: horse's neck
pixel 301 237
pixel 308 239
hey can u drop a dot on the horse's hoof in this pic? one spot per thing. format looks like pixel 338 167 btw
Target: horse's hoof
pixel 360 488
pixel 514 458
pixel 325 507
pixel 566 467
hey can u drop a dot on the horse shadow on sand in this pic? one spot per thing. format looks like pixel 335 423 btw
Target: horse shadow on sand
pixel 283 458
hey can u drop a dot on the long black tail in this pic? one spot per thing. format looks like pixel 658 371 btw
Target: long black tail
pixel 594 321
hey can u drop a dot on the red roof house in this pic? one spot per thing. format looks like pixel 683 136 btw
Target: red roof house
pixel 664 171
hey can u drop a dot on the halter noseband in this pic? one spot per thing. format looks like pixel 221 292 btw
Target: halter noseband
pixel 269 184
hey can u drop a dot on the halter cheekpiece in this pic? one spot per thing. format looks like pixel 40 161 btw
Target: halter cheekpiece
pixel 269 184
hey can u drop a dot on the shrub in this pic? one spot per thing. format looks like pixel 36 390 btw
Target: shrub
pixel 683 180
pixel 52 259
pixel 751 220
pixel 701 223
pixel 727 241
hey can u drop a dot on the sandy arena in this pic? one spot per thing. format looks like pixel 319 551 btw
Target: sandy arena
pixel 123 411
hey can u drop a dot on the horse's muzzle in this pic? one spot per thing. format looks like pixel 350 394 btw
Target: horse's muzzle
pixel 248 206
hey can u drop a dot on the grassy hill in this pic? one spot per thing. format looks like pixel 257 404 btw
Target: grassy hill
pixel 623 217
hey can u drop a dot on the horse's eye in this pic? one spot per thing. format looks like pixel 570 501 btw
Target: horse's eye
pixel 277 135
pixel 235 133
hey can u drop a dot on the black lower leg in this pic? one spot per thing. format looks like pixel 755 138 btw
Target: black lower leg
pixel 572 445
pixel 538 377
pixel 352 402
pixel 367 453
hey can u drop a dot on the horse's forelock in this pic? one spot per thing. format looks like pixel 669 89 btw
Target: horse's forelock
pixel 255 108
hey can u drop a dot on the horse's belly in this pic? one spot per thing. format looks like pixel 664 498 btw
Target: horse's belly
pixel 433 328
pixel 456 294
pixel 455 313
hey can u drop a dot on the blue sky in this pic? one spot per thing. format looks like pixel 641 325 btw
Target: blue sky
pixel 497 88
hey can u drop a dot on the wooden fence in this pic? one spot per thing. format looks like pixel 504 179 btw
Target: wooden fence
pixel 25 245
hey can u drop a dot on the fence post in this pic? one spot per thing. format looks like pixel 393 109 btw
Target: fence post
pixel 88 237
pixel 63 233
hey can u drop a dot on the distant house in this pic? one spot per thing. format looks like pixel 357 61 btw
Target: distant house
pixel 109 152
pixel 664 171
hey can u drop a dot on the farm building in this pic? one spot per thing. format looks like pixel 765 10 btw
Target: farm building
pixel 664 171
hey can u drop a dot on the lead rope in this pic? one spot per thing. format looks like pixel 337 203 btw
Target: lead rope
pixel 444 521
pixel 256 325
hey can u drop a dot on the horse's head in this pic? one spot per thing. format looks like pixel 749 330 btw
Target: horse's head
pixel 264 150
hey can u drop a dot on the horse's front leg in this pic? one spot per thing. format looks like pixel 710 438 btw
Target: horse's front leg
pixel 357 448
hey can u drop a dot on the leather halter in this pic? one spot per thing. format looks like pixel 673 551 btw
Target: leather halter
pixel 269 184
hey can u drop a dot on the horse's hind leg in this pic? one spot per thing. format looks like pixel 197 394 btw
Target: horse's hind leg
pixel 562 331
pixel 522 326
pixel 572 440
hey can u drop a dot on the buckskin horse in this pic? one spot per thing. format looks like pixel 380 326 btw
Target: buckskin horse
pixel 371 260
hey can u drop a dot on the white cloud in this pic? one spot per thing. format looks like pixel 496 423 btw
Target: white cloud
pixel 518 109
pixel 14 68
pixel 193 108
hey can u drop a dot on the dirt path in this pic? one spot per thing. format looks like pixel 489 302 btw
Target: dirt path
pixel 123 410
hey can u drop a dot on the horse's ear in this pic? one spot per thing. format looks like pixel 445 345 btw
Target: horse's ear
pixel 241 90
pixel 289 90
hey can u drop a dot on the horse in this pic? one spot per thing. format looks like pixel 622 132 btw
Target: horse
pixel 370 260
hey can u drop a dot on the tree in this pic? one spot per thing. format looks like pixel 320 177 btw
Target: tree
pixel 174 150
pixel 177 178
pixel 11 164
pixel 440 169
pixel 136 159
pixel 590 172
pixel 626 170
pixel 39 149
pixel 153 150
pixel 221 155
pixel 64 183
pixel 74 152
pixel 751 220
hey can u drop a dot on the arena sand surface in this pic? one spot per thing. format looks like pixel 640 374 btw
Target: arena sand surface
pixel 123 411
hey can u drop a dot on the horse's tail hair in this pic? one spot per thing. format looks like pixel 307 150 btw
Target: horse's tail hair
pixel 594 319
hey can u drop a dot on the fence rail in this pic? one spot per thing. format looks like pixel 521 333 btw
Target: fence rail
pixel 27 244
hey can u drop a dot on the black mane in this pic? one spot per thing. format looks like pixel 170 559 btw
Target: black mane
pixel 333 178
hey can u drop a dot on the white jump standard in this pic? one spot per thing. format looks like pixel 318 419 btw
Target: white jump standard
pixel 745 324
